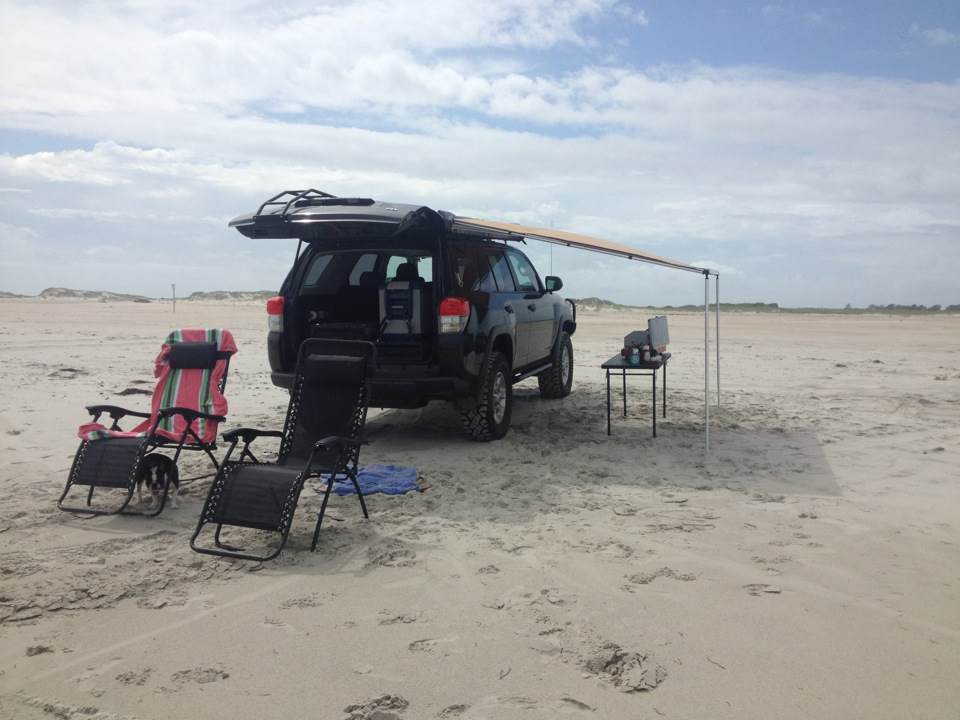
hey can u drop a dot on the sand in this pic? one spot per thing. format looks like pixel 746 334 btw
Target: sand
pixel 810 567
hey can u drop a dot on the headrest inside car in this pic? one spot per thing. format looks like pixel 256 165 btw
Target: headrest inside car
pixel 195 355
pixel 334 369
pixel 407 271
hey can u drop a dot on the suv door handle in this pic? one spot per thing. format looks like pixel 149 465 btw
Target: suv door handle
pixel 508 308
pixel 532 307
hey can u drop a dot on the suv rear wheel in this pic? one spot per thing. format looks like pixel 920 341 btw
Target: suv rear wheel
pixel 557 381
pixel 490 418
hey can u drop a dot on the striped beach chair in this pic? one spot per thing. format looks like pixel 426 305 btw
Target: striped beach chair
pixel 187 407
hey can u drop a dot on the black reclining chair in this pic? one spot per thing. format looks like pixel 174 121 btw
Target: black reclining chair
pixel 321 436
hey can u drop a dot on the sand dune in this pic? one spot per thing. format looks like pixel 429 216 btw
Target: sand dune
pixel 808 568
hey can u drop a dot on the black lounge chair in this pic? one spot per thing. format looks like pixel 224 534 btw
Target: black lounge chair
pixel 187 406
pixel 321 436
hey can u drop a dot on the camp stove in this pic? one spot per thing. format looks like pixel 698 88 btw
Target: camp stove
pixel 645 345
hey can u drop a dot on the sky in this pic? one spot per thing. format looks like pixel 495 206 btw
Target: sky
pixel 810 153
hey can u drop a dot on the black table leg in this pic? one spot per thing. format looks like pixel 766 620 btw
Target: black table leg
pixel 654 376
pixel 664 388
pixel 608 402
pixel 624 373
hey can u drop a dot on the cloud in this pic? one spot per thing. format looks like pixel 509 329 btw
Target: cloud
pixel 632 14
pixel 935 37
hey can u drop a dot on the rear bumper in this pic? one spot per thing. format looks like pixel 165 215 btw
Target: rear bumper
pixel 402 392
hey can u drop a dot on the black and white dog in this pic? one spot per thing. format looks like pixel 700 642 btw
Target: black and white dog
pixel 155 472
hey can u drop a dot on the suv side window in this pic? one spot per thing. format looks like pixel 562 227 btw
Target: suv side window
pixel 365 263
pixel 318 264
pixel 501 272
pixel 527 280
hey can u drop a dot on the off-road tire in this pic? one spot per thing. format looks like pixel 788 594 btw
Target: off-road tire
pixel 552 382
pixel 480 422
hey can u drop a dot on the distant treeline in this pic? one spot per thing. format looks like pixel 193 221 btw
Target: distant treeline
pixel 601 304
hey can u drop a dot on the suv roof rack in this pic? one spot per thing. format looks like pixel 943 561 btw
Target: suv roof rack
pixel 295 197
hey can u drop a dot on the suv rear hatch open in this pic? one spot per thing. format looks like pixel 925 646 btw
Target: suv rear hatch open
pixel 371 271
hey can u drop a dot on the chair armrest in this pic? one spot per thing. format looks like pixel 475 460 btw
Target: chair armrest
pixel 248 435
pixel 335 442
pixel 189 414
pixel 115 412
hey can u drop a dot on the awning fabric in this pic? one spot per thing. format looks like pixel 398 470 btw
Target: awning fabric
pixel 562 237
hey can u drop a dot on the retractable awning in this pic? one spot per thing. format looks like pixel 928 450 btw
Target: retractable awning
pixel 507 231
pixel 574 240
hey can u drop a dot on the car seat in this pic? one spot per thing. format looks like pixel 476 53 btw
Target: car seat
pixel 401 306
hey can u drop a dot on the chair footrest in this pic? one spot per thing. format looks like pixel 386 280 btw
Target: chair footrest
pixel 255 496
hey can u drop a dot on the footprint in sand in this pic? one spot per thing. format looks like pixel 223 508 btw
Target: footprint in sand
pixel 38 650
pixel 391 554
pixel 200 675
pixel 391 618
pixel 135 677
pixel 645 578
pixel 758 589
pixel 385 707
pixel 303 602
pixel 453 711
pixel 430 644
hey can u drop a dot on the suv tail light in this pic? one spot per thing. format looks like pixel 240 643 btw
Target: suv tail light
pixel 275 314
pixel 454 313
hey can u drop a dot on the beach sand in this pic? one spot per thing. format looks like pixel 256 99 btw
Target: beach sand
pixel 809 568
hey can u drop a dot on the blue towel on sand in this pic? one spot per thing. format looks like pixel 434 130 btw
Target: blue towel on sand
pixel 386 479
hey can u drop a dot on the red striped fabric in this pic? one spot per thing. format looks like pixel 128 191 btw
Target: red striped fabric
pixel 192 388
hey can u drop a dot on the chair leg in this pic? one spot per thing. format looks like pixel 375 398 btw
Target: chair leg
pixel 213 459
pixel 363 505
pixel 216 541
pixel 323 509
pixel 90 495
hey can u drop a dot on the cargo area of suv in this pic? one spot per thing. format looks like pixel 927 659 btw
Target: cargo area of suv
pixel 384 296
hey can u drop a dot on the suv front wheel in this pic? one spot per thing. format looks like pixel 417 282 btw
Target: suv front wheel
pixel 490 418
pixel 557 381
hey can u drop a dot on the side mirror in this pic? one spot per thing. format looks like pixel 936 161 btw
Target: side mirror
pixel 552 283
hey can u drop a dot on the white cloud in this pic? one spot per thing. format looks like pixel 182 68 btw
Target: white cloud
pixel 632 14
pixel 935 37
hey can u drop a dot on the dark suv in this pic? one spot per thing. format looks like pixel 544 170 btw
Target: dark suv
pixel 456 312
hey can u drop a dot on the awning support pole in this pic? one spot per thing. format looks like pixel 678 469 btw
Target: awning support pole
pixel 706 358
pixel 716 299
